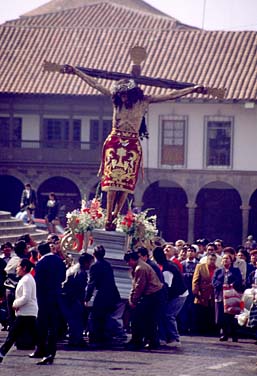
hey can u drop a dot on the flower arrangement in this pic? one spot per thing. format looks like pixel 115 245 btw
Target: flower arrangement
pixel 139 226
pixel 89 217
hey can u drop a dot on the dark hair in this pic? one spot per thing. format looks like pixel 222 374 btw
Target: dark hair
pixel 86 258
pixel 19 248
pixel 28 185
pixel 212 245
pixel 143 251
pixel 229 250
pixel 52 194
pixel 133 96
pixel 33 253
pixel 27 264
pixel 6 245
pixel 239 248
pixel 99 252
pixel 44 248
pixel 131 255
pixel 245 253
pixel 191 248
pixel 54 238
pixel 219 241
pixel 159 256
pixel 26 238
pixel 143 131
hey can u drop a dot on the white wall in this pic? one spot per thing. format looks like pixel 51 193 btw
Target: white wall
pixel 244 139
pixel 85 128
pixel 30 127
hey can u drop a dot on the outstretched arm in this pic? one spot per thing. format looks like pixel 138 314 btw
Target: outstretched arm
pixel 174 94
pixel 68 69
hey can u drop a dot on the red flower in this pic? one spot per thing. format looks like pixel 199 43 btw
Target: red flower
pixel 129 215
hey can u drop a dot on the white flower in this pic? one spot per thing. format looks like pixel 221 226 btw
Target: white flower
pixel 138 226
pixel 89 217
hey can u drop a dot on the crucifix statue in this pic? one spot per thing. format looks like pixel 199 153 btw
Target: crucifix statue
pixel 122 151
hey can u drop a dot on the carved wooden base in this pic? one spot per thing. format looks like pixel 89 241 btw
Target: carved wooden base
pixel 114 242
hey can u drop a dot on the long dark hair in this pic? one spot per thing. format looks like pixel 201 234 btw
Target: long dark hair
pixel 134 95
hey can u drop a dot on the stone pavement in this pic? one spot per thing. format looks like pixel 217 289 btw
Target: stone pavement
pixel 197 356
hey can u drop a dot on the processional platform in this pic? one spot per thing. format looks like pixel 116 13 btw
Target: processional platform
pixel 115 244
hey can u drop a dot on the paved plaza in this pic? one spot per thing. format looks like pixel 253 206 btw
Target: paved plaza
pixel 197 356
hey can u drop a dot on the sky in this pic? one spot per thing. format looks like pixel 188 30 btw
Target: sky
pixel 210 14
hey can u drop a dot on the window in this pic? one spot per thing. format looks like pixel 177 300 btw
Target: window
pixel 76 137
pixel 10 136
pixel 219 141
pixel 98 134
pixel 57 132
pixel 94 133
pixel 172 148
pixel 77 130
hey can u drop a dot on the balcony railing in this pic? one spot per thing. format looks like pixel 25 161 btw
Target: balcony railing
pixel 50 151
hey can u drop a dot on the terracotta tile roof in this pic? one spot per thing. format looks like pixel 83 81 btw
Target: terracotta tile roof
pixel 59 5
pixel 91 16
pixel 215 58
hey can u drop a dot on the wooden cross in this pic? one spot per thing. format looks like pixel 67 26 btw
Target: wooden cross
pixel 138 54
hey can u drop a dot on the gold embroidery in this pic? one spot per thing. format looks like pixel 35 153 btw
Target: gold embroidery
pixel 121 165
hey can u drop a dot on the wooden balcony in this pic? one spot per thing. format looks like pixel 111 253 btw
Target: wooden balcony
pixel 50 152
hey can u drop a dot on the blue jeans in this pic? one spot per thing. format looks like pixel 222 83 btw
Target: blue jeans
pixel 168 330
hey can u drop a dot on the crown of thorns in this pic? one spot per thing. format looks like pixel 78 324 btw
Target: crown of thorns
pixel 123 86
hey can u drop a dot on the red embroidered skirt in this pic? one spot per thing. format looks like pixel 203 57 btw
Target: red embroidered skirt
pixel 121 159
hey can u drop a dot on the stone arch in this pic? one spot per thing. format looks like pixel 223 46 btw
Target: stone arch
pixel 11 190
pixel 218 213
pixel 223 182
pixel 168 200
pixel 67 192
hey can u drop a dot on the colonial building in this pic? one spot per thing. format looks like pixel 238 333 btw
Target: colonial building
pixel 199 162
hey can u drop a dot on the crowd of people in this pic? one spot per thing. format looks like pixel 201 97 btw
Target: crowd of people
pixel 177 289
pixel 28 206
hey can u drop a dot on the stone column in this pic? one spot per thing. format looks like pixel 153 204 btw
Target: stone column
pixel 11 128
pixel 137 201
pixel 191 221
pixel 42 140
pixel 70 145
pixel 245 221
pixel 137 204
